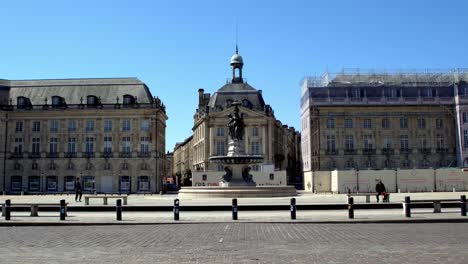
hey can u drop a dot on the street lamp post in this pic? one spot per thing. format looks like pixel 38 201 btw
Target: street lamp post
pixel 41 182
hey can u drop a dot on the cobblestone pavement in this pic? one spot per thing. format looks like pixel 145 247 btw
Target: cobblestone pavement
pixel 237 243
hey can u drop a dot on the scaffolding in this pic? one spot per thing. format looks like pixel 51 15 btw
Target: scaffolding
pixel 401 78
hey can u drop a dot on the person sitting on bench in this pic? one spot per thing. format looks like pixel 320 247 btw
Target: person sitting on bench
pixel 380 189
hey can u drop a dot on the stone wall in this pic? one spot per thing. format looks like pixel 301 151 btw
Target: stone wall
pixel 416 180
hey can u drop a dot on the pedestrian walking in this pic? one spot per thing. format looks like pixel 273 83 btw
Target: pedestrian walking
pixel 78 191
pixel 380 189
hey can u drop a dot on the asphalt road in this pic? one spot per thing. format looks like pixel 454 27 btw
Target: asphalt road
pixel 237 243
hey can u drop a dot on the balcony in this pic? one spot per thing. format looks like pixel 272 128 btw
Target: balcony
pixel 387 151
pixel 350 152
pixel 368 151
pixel 107 154
pixel 442 150
pixel 34 155
pixel 88 155
pixel 144 154
pixel 424 151
pixel 125 154
pixel 405 150
pixel 52 155
pixel 70 155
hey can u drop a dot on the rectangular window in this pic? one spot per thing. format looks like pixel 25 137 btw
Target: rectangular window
pixel 255 148
pixel 331 143
pixel 441 141
pixel 126 125
pixel 36 146
pixel 54 126
pixel 439 123
pixel 465 117
pixel 36 126
pixel 107 125
pixel 69 183
pixel 367 123
pixel 254 131
pixel 404 142
pixel 348 123
pixel 144 145
pixel 349 142
pixel 89 145
pixel 145 125
pixel 385 123
pixel 19 126
pixel 421 123
pixel 403 122
pixel 220 148
pixel 71 145
pixel 220 131
pixel 330 123
pixel 126 145
pixel 387 144
pixel 71 125
pixel 107 145
pixel 422 141
pixel 89 125
pixel 19 146
pixel 368 142
pixel 53 146
pixel 465 139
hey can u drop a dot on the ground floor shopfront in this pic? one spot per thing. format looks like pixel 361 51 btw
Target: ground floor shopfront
pixel 17 184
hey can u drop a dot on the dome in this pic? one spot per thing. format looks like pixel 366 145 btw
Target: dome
pixel 237 59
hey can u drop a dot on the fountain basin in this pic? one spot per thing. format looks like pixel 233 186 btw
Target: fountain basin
pixel 236 192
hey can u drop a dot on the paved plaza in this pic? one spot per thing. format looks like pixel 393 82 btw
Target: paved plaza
pixel 237 243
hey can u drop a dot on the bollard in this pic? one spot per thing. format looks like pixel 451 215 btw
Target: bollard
pixel 234 209
pixel 176 209
pixel 118 209
pixel 293 208
pixel 407 206
pixel 463 205
pixel 350 207
pixel 7 209
pixel 62 210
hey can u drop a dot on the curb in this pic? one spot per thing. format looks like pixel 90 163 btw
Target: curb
pixel 384 221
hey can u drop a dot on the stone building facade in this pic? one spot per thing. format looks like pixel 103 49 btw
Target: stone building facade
pixel 264 134
pixel 355 120
pixel 108 132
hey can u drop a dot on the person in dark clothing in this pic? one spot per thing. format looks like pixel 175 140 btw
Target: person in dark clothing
pixel 78 191
pixel 380 189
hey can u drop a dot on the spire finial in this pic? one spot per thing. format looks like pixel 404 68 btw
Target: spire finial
pixel 237 50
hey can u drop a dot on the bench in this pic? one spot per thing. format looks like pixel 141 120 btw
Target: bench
pixel 34 207
pixel 105 198
pixel 368 195
pixel 437 203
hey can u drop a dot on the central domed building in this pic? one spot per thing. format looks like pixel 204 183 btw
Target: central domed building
pixel 278 144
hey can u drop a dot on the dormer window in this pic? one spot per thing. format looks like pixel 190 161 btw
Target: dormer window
pixel 246 103
pixel 229 103
pixel 22 102
pixel 128 99
pixel 58 101
pixel 91 100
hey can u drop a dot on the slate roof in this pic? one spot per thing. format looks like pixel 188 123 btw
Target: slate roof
pixel 74 89
pixel 239 92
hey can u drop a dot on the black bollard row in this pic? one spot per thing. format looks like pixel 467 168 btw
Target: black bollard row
pixel 7 209
pixel 407 206
pixel 62 210
pixel 234 209
pixel 350 207
pixel 463 205
pixel 118 209
pixel 293 208
pixel 176 209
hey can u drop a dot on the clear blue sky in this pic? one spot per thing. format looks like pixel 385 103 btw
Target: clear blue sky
pixel 177 47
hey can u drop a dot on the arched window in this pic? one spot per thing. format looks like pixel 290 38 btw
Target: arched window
pixel 128 99
pixel 57 101
pixel 247 103
pixel 91 100
pixel 228 103
pixel 22 102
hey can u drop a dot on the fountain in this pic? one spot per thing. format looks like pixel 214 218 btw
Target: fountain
pixel 237 180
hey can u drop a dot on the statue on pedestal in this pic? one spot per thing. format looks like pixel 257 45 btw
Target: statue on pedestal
pixel 236 123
